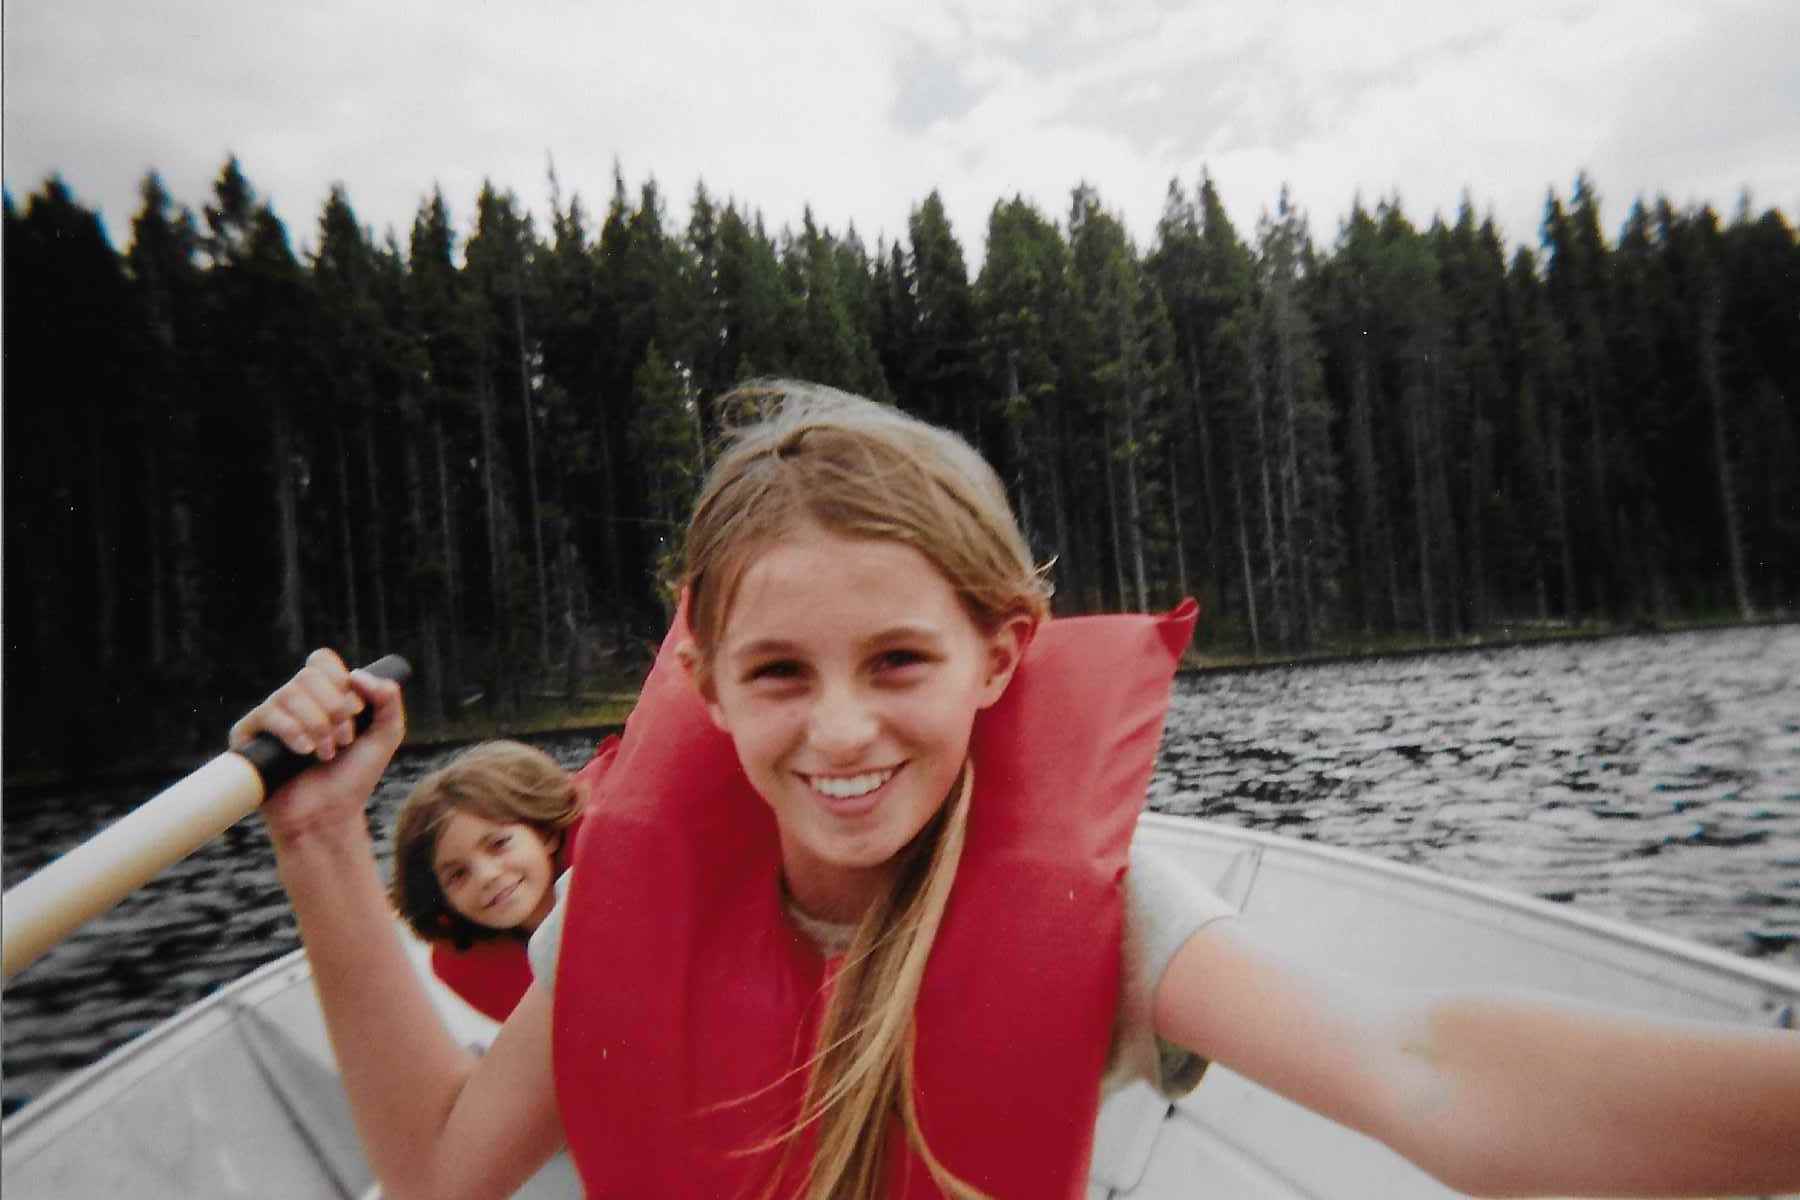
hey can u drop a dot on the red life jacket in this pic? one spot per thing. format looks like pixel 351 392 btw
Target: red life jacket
pixel 688 1005
pixel 493 974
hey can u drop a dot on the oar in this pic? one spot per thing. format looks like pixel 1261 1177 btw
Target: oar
pixel 167 828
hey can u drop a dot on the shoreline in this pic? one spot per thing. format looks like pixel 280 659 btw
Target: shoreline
pixel 595 721
pixel 602 713
pixel 1500 637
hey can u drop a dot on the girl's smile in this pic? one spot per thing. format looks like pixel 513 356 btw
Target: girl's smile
pixel 497 875
pixel 848 676
pixel 851 792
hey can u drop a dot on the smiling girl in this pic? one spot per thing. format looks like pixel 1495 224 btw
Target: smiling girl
pixel 861 924
pixel 478 846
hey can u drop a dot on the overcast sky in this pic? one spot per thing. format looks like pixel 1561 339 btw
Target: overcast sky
pixel 861 107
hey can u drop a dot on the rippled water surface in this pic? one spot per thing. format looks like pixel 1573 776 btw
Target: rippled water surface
pixel 1654 778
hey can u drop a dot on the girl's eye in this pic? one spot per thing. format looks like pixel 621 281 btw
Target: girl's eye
pixel 501 841
pixel 898 660
pixel 453 877
pixel 781 669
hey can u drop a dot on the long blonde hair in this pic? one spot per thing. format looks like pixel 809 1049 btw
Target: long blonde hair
pixel 812 455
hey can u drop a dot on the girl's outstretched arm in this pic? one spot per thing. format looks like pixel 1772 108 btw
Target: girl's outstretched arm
pixel 1499 1095
pixel 434 1120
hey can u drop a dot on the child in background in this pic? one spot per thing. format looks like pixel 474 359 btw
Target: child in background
pixel 478 847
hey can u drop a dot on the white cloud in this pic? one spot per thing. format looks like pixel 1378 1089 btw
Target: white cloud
pixel 862 109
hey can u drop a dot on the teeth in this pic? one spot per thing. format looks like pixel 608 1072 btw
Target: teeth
pixel 845 787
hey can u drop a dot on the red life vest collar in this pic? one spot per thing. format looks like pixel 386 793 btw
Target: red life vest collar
pixel 687 1005
pixel 491 975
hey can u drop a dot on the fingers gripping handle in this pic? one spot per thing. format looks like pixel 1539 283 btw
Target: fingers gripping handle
pixel 276 764
pixel 121 858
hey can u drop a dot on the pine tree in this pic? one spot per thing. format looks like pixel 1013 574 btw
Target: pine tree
pixel 1224 321
pixel 1760 270
pixel 1177 265
pixel 701 335
pixel 1649 412
pixel 583 514
pixel 752 300
pixel 259 316
pixel 1354 336
pixel 1115 340
pixel 640 269
pixel 353 337
pixel 826 345
pixel 402 379
pixel 938 374
pixel 1472 268
pixel 1542 369
pixel 665 438
pixel 1707 289
pixel 856 285
pixel 1577 266
pixel 1305 558
pixel 502 266
pixel 1022 298
pixel 439 320
pixel 165 284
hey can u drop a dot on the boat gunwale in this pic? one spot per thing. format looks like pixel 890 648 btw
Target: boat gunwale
pixel 201 1018
pixel 1777 984
pixel 1755 972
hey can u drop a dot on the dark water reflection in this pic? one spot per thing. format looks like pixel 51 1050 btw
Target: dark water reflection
pixel 1655 779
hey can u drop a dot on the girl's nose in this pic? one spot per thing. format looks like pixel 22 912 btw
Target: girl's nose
pixel 841 726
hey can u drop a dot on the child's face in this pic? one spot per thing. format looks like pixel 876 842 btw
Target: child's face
pixel 848 675
pixel 497 875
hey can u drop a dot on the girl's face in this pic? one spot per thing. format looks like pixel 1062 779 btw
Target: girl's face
pixel 848 675
pixel 498 875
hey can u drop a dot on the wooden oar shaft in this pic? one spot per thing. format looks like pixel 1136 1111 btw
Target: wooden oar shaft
pixel 102 871
pixel 127 854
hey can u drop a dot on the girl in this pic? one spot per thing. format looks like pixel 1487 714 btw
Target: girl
pixel 841 745
pixel 478 846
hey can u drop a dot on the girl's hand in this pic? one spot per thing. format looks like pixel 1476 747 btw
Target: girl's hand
pixel 312 714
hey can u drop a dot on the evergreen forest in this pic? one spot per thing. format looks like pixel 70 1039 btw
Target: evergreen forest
pixel 478 449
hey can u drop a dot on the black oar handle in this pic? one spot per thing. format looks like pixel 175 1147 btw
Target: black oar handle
pixel 277 764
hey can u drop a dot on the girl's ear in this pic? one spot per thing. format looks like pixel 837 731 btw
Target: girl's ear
pixel 688 655
pixel 1005 648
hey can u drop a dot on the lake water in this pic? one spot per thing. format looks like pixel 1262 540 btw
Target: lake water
pixel 1655 779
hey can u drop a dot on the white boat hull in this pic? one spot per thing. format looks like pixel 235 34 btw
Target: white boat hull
pixel 238 1095
pixel 1348 911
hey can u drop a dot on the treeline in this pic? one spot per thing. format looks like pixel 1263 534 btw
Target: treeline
pixel 221 452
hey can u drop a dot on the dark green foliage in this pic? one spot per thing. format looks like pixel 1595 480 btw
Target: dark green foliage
pixel 665 437
pixel 71 576
pixel 221 453
pixel 1024 301
pixel 929 348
